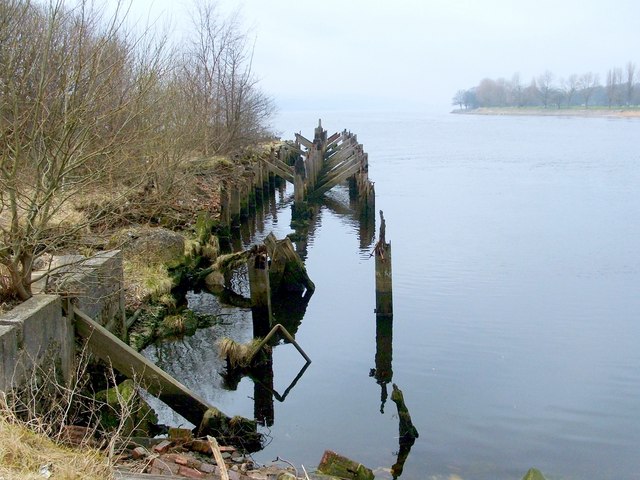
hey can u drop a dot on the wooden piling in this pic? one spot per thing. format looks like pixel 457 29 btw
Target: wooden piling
pixel 245 195
pixel 384 286
pixel 235 208
pixel 299 188
pixel 225 205
pixel 258 268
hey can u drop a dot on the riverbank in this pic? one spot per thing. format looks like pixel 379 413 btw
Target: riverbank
pixel 631 112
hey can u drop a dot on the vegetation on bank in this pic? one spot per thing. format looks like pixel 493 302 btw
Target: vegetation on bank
pixel 108 132
pixel 27 455
pixel 621 88
pixel 104 127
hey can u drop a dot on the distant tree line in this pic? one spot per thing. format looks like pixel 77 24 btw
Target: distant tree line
pixel 620 88
pixel 89 105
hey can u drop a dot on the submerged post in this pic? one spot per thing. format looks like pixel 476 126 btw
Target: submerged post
pixel 384 287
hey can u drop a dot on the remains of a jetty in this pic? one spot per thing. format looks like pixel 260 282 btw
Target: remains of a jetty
pixel 313 167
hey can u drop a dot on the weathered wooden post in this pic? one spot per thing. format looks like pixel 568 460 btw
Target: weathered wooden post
pixel 271 176
pixel 299 194
pixel 225 206
pixel 235 205
pixel 245 195
pixel 258 267
pixel 251 190
pixel 384 286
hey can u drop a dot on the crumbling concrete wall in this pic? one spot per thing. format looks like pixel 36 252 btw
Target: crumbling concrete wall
pixel 37 331
pixel 95 286
pixel 34 332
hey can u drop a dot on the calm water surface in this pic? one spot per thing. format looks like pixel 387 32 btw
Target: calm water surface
pixel 516 274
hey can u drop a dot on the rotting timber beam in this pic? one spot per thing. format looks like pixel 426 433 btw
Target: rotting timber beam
pixel 336 179
pixel 280 168
pixel 303 141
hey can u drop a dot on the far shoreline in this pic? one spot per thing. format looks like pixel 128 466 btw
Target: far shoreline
pixel 632 112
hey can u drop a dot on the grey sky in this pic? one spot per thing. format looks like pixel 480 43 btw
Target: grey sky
pixel 412 53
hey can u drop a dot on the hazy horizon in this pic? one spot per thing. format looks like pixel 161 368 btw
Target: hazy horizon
pixel 416 54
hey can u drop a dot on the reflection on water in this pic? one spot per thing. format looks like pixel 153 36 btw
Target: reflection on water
pixel 516 266
pixel 383 373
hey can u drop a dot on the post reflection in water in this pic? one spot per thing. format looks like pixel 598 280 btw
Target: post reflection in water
pixel 262 374
pixel 383 374
pixel 407 432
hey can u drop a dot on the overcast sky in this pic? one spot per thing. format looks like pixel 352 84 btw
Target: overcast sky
pixel 414 53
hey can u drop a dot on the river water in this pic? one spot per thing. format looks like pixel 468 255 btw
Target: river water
pixel 516 273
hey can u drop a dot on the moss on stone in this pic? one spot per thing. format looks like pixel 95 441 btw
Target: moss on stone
pixel 123 408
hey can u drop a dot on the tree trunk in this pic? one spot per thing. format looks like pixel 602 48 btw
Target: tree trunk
pixel 20 280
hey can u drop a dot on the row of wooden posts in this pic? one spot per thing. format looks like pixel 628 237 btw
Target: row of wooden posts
pixel 313 167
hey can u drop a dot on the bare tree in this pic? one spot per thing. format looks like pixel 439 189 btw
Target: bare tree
pixel 458 98
pixel 545 87
pixel 588 82
pixel 631 77
pixel 613 86
pixel 73 98
pixel 516 91
pixel 570 87
pixel 230 109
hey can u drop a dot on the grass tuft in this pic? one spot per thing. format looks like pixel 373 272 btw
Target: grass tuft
pixel 238 354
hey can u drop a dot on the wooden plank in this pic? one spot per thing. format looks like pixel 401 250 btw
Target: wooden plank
pixel 217 454
pixel 340 154
pixel 127 361
pixel 307 143
pixel 333 138
pixel 339 162
pixel 329 184
pixel 280 168
pixel 335 169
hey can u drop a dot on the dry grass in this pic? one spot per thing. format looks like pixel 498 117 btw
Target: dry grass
pixel 238 354
pixel 45 414
pixel 25 455
pixel 145 281
pixel 231 261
